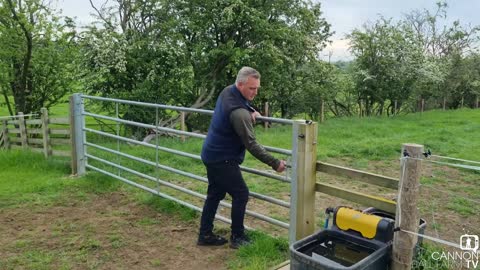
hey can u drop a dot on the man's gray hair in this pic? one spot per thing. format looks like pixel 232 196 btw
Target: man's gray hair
pixel 245 73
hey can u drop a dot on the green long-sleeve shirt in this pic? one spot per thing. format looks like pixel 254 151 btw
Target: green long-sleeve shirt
pixel 241 121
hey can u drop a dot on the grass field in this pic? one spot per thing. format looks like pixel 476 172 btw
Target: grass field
pixel 371 144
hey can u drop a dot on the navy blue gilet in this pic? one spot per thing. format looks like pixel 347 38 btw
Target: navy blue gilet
pixel 222 142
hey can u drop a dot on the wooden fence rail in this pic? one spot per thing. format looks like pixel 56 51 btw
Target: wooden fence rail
pixel 357 197
pixel 353 196
pixel 371 178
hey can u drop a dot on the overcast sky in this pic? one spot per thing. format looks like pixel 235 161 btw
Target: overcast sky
pixel 343 15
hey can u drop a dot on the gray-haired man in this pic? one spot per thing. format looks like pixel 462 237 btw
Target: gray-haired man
pixel 230 133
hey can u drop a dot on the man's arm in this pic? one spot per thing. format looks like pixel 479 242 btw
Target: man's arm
pixel 241 121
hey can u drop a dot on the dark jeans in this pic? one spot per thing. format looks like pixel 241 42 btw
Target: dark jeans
pixel 225 177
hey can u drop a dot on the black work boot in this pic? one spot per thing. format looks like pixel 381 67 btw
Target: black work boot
pixel 210 239
pixel 237 241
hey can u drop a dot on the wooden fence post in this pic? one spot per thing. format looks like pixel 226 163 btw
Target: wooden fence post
pixel 407 218
pixel 444 103
pixel 476 102
pixel 182 125
pixel 23 130
pixel 303 179
pixel 46 133
pixel 422 104
pixel 266 113
pixel 322 111
pixel 395 108
pixel 6 140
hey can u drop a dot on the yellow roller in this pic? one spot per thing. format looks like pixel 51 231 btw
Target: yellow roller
pixel 349 219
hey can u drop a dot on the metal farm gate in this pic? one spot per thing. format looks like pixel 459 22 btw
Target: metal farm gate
pixel 85 151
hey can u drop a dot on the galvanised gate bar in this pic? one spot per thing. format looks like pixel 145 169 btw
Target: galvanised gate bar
pixel 83 149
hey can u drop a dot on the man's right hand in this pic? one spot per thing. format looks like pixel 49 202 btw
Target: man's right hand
pixel 282 166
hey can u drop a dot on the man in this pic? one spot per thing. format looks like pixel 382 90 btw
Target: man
pixel 230 133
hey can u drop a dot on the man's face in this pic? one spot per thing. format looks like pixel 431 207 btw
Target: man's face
pixel 249 88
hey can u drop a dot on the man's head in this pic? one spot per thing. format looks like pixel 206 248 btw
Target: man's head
pixel 248 82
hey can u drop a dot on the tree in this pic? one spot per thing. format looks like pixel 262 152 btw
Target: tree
pixel 444 46
pixel 184 52
pixel 387 61
pixel 36 51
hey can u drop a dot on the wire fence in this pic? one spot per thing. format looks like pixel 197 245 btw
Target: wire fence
pixel 450 205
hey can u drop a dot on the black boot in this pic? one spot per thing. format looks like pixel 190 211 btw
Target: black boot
pixel 210 239
pixel 237 241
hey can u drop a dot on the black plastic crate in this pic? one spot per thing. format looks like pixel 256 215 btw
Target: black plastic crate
pixel 338 250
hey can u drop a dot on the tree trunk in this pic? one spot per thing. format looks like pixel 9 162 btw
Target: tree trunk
pixel 7 102
pixel 322 111
pixel 19 88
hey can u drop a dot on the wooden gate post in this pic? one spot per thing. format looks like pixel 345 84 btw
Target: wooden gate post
pixel 23 130
pixel 407 218
pixel 6 140
pixel 302 197
pixel 46 133
pixel 182 125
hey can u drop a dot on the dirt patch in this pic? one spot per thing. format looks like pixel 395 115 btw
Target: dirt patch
pixel 104 232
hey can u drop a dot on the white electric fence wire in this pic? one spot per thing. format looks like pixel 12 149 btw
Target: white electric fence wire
pixel 475 168
pixel 457 159
pixel 444 242
pixel 448 164
pixel 469 167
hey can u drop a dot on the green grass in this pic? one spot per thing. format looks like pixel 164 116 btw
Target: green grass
pixel 356 141
pixel 424 260
pixel 41 182
pixel 462 206
pixel 451 133
pixel 265 252
pixel 60 109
